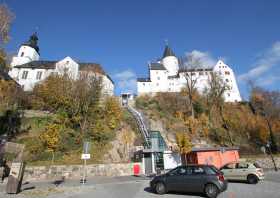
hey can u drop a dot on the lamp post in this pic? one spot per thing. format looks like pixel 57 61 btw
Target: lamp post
pixel 268 146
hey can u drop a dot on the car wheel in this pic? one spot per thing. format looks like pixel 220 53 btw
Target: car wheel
pixel 252 179
pixel 211 191
pixel 160 188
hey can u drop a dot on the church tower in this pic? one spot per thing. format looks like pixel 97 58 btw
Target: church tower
pixel 170 61
pixel 28 51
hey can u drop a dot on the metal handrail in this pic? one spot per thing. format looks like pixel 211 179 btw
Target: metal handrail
pixel 141 125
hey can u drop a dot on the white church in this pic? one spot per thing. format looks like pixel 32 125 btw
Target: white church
pixel 168 75
pixel 27 69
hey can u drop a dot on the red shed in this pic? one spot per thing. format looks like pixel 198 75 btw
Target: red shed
pixel 214 156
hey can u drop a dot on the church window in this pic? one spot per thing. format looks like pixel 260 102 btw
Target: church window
pixel 22 54
pixel 24 75
pixel 39 75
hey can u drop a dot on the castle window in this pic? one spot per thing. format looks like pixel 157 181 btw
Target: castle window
pixel 39 75
pixel 24 75
pixel 22 54
pixel 227 73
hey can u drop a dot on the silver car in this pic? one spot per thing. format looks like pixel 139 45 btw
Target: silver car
pixel 243 171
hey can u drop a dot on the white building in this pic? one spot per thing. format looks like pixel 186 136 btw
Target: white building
pixel 27 70
pixel 168 75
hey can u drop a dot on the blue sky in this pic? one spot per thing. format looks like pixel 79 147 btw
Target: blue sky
pixel 124 35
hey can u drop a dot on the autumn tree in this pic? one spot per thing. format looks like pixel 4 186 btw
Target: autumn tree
pixel 267 104
pixel 190 64
pixel 50 138
pixel 214 94
pixel 6 18
pixel 184 144
pixel 127 138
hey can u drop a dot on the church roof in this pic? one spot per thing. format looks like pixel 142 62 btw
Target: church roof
pixel 167 52
pixel 157 66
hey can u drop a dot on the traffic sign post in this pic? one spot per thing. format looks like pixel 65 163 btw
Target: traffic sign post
pixel 85 156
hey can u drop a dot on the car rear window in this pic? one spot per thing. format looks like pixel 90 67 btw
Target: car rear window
pixel 211 170
pixel 257 165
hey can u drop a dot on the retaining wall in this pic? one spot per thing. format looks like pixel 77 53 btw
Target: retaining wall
pixel 76 171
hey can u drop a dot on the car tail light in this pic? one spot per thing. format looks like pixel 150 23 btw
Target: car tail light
pixel 221 177
pixel 260 171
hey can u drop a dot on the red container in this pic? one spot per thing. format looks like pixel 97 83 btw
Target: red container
pixel 136 169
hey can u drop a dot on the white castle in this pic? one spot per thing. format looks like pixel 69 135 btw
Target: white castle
pixel 27 70
pixel 168 75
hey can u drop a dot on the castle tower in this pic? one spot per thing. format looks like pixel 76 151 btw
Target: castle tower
pixel 28 51
pixel 170 61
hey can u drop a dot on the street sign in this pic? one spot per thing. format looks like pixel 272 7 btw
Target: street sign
pixel 85 156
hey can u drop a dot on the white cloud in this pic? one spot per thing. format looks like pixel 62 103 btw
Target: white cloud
pixel 204 58
pixel 125 81
pixel 262 72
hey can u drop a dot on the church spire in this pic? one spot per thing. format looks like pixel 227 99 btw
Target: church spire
pixel 167 51
pixel 33 42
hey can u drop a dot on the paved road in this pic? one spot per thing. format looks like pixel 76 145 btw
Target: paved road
pixel 134 187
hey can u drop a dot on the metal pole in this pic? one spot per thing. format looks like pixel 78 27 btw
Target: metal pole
pixel 272 158
pixel 84 174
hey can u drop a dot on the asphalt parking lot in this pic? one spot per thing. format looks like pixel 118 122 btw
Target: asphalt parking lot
pixel 137 187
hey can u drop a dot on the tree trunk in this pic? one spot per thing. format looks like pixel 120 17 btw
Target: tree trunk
pixel 225 125
pixel 272 138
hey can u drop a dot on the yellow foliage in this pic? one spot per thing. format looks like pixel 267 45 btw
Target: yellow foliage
pixel 204 125
pixel 192 125
pixel 8 91
pixel 183 142
pixel 50 137
pixel 113 112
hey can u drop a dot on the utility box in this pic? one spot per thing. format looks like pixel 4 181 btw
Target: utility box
pixel 15 178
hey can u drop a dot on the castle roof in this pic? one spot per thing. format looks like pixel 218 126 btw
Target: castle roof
pixel 143 79
pixel 167 52
pixel 38 65
pixel 33 42
pixel 156 66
